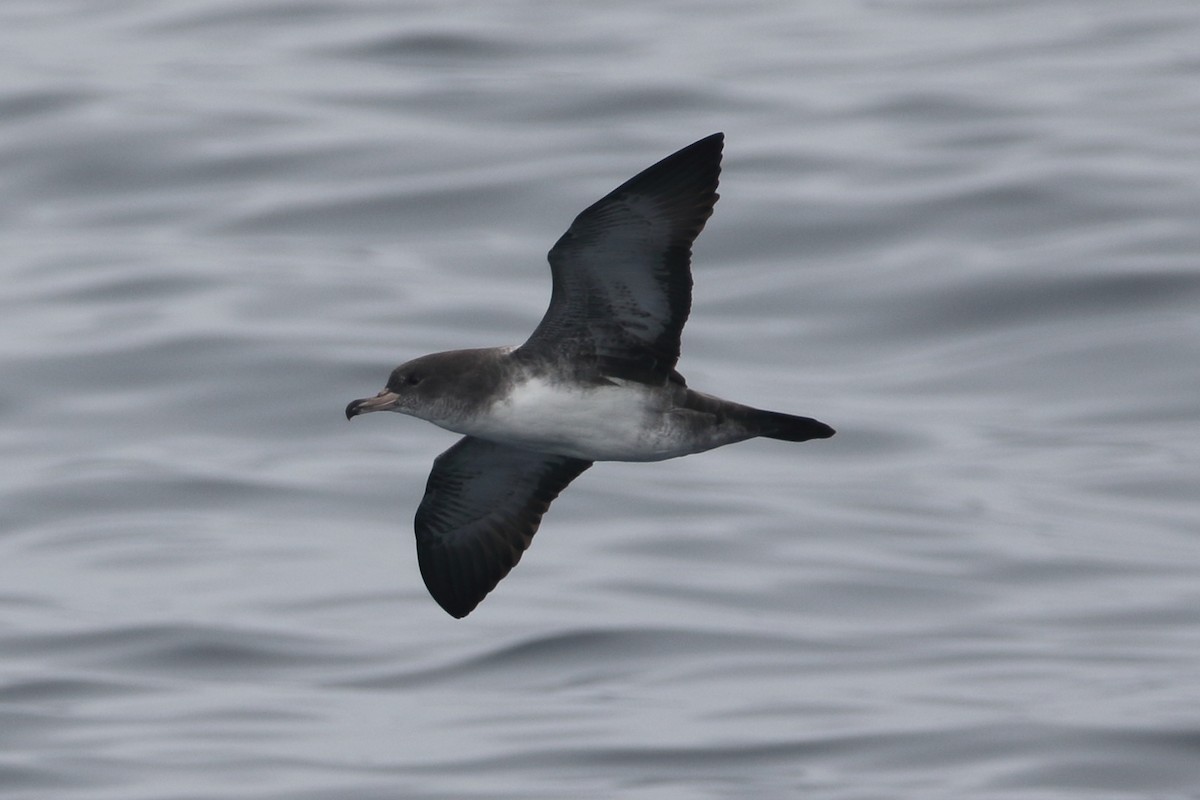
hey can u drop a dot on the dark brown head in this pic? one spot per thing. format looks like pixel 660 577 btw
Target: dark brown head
pixel 439 387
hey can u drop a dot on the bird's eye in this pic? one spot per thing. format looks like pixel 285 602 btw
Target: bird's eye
pixel 412 379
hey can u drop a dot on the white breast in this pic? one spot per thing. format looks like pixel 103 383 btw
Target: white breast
pixel 598 423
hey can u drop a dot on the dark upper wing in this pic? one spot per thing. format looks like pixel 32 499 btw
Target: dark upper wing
pixel 482 505
pixel 622 271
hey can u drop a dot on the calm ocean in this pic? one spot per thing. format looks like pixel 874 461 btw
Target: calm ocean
pixel 966 234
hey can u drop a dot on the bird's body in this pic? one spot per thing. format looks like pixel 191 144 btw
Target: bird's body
pixel 595 382
pixel 609 421
pixel 613 419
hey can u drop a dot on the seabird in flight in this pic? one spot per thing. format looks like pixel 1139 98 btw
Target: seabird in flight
pixel 595 382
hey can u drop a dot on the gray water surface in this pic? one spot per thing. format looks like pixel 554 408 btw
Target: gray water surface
pixel 964 234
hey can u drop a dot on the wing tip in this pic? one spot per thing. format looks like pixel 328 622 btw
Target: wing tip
pixel 450 585
pixel 691 171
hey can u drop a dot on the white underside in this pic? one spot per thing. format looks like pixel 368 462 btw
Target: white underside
pixel 626 422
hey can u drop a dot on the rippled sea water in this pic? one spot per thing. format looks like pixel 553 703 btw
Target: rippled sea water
pixel 964 234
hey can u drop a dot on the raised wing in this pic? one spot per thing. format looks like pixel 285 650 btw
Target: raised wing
pixel 482 505
pixel 622 271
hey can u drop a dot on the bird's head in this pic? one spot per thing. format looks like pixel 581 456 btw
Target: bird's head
pixel 435 387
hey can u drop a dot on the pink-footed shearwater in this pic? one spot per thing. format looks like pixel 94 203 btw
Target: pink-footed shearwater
pixel 595 382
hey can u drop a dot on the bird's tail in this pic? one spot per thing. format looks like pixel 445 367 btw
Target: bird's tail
pixel 789 428
pixel 749 422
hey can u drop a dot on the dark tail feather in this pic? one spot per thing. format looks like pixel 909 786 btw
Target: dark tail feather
pixel 774 425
